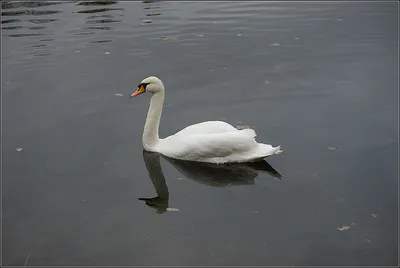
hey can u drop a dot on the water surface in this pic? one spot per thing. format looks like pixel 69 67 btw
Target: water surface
pixel 320 79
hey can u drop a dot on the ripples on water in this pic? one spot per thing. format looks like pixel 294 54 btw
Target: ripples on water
pixel 271 40
pixel 285 41
pixel 306 75
pixel 46 18
pixel 54 27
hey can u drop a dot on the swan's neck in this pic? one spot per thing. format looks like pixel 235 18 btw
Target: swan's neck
pixel 150 136
pixel 152 162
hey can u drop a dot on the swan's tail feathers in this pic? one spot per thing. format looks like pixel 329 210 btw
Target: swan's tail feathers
pixel 267 150
pixel 278 150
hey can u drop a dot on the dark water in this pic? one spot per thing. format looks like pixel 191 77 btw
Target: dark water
pixel 318 78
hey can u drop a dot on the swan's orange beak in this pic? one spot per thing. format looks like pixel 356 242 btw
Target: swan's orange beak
pixel 138 91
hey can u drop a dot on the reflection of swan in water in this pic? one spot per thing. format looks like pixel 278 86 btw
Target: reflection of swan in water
pixel 222 175
pixel 153 166
pixel 205 173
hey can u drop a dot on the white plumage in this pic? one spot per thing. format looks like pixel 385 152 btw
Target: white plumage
pixel 211 141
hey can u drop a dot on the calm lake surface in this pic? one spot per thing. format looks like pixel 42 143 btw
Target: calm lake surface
pixel 320 79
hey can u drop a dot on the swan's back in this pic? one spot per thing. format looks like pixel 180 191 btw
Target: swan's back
pixel 208 127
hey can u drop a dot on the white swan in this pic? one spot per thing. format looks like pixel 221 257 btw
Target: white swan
pixel 211 141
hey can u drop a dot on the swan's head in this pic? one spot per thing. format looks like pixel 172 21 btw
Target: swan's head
pixel 151 84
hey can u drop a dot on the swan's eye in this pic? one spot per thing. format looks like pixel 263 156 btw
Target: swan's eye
pixel 141 89
pixel 143 85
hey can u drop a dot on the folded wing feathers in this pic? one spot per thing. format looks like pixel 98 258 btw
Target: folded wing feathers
pixel 219 144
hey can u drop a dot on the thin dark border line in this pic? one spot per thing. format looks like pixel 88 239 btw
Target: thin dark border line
pixel 1 145
pixel 199 266
pixel 273 1
pixel 398 123
pixel 268 1
pixel 250 1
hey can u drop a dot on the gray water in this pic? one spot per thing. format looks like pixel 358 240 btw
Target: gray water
pixel 320 79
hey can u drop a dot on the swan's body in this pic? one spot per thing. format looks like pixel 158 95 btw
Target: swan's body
pixel 211 141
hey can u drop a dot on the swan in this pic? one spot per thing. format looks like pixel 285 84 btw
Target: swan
pixel 211 141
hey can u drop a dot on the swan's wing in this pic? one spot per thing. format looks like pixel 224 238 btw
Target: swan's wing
pixel 200 146
pixel 208 127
